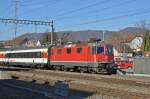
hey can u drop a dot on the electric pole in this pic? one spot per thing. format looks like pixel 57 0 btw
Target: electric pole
pixel 35 29
pixel 16 4
pixel 52 33
pixel 103 36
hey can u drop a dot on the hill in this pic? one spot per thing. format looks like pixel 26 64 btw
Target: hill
pixel 113 37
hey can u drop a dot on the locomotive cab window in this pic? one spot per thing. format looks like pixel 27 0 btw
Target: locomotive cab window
pixel 68 50
pixel 94 50
pixel 109 50
pixel 97 50
pixel 79 50
pixel 100 50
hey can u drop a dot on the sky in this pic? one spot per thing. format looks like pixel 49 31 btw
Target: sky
pixel 73 15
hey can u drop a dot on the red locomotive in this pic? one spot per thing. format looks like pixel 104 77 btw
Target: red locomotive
pixel 95 58
pixel 83 58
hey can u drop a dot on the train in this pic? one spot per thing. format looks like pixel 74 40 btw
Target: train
pixel 92 58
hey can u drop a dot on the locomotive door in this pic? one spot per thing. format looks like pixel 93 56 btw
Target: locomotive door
pixel 89 56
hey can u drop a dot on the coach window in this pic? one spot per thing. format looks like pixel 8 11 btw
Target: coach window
pixel 68 50
pixel 59 51
pixel 79 50
pixel 26 55
pixel 29 55
pixel 38 54
pixel 14 55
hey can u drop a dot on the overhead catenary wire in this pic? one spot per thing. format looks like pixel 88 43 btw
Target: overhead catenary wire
pixel 116 25
pixel 111 18
pixel 27 3
pixel 133 23
pixel 82 8
pixel 96 11
pixel 37 3
pixel 39 6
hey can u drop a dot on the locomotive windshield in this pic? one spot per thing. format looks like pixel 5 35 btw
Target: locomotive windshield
pixel 98 50
pixel 109 50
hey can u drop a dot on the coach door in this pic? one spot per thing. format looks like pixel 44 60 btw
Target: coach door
pixel 6 59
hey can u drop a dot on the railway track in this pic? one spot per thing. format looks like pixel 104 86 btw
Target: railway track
pixel 117 79
pixel 123 87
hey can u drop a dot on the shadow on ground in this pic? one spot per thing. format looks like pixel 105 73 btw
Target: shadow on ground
pixel 18 89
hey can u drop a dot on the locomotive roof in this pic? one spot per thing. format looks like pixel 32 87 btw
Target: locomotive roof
pixel 62 46
pixel 80 45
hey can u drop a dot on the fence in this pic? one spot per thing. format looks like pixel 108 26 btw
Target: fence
pixel 141 65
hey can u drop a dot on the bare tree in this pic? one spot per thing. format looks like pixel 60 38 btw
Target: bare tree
pixel 146 35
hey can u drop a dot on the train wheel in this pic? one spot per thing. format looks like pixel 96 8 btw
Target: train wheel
pixel 90 70
pixel 93 72
pixel 64 68
pixel 111 69
pixel 83 69
pixel 56 68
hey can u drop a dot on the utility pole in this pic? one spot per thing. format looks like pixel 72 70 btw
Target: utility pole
pixel 16 4
pixel 52 32
pixel 35 29
pixel 103 36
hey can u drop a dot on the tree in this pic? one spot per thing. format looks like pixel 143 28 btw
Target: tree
pixel 146 35
pixel 147 40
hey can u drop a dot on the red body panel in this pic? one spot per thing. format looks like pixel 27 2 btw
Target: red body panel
pixel 44 54
pixel 85 56
pixel 2 55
